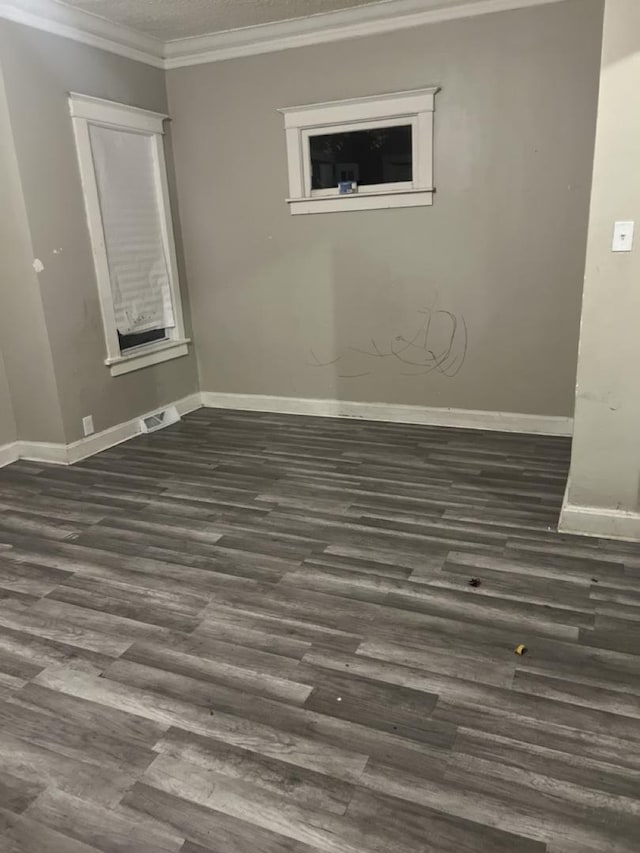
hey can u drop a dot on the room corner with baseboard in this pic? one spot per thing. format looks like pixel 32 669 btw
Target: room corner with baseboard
pixel 319 461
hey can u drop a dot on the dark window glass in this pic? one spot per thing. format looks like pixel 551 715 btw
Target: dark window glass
pixel 136 339
pixel 379 156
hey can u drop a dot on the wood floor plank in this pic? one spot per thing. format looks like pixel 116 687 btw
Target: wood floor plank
pixel 37 765
pixel 248 680
pixel 344 763
pixel 219 759
pixel 105 829
pixel 20 834
pixel 17 794
pixel 221 833
pixel 263 633
pixel 108 721
pixel 83 742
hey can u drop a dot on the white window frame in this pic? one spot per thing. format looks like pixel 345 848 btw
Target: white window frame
pixel 87 111
pixel 415 107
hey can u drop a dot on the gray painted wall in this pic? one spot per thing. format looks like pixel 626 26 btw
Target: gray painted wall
pixel 40 69
pixel 29 374
pixel 8 432
pixel 502 249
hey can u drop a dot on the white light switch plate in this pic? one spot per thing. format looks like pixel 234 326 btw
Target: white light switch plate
pixel 623 237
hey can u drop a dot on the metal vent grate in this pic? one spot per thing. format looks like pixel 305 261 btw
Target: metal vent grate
pixel 158 420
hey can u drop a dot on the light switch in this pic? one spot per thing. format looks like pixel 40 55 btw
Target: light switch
pixel 623 236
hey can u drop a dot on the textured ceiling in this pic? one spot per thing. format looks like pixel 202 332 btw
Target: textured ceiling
pixel 173 19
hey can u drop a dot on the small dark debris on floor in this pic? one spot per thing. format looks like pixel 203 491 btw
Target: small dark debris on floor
pixel 475 582
pixel 595 580
pixel 521 650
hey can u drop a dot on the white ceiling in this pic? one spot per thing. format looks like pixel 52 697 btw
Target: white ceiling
pixel 174 19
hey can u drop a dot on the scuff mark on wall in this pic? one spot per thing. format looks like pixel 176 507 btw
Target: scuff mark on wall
pixel 438 345
pixel 37 265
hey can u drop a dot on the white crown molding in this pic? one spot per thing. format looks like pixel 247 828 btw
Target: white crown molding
pixel 357 21
pixel 377 18
pixel 426 415
pixel 62 20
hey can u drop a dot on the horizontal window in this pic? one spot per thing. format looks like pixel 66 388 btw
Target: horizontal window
pixel 380 155
pixel 361 154
pixel 137 339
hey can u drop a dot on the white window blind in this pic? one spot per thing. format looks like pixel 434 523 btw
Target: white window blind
pixel 126 180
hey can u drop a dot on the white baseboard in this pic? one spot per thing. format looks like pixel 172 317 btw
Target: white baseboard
pixel 123 432
pixel 429 416
pixel 68 454
pixel 9 453
pixel 599 522
pixel 43 451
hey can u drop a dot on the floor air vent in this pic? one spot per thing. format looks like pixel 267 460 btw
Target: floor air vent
pixel 158 420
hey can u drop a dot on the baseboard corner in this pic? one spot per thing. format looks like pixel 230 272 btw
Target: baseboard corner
pixel 76 451
pixel 9 453
pixel 599 522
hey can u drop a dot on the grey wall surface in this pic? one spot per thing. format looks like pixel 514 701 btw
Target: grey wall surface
pixel 312 306
pixel 8 432
pixel 39 70
pixel 28 366
pixel 605 464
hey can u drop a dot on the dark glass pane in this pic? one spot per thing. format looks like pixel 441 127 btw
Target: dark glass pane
pixel 136 339
pixel 379 156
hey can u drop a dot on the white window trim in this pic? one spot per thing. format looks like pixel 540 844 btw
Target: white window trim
pixel 415 107
pixel 86 111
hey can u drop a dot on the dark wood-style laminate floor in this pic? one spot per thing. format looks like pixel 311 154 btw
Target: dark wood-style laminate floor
pixel 254 633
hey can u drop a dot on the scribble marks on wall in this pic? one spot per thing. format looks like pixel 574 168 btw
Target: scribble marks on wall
pixel 439 344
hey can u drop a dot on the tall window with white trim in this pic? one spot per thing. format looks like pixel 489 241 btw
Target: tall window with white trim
pixel 124 181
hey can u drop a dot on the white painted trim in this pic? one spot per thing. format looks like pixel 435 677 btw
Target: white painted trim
pixel 103 112
pixel 427 415
pixel 87 111
pixel 43 451
pixel 69 454
pixel 375 19
pixel 123 432
pixel 9 453
pixel 369 108
pixel 361 201
pixel 414 107
pixel 68 22
pixel 148 355
pixel 599 522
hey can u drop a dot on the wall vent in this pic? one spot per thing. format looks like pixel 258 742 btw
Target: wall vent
pixel 159 420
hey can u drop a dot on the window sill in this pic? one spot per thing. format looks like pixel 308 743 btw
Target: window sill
pixel 361 201
pixel 145 356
